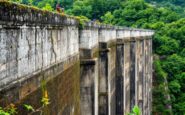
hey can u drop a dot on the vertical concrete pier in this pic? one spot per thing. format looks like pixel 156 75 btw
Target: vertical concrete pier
pixel 133 79
pixel 130 74
pixel 140 72
pixel 123 71
pixel 89 53
pixel 107 46
pixel 120 79
pixel 103 79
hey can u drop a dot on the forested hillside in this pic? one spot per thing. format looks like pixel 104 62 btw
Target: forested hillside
pixel 175 2
pixel 166 17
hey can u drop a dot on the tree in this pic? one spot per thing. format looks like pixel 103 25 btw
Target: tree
pixel 108 18
pixel 47 7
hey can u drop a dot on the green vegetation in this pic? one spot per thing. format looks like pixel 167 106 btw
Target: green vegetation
pixel 167 17
pixel 29 107
pixel 175 2
pixel 9 110
pixel 12 110
pixel 135 111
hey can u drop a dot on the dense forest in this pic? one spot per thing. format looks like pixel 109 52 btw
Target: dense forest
pixel 166 17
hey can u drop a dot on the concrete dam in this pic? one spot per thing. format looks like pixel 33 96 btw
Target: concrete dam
pixel 87 69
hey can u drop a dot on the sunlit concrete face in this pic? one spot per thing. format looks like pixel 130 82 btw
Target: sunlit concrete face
pixel 134 59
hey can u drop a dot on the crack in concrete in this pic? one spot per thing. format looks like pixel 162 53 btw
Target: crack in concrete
pixel 29 47
pixel 42 55
pixel 52 47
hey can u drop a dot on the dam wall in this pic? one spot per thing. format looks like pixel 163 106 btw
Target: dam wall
pixel 94 69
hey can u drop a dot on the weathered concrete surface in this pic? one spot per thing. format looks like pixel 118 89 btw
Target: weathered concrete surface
pixel 36 48
pixel 148 72
pixel 127 78
pixel 30 50
pixel 89 69
pixel 140 73
pixel 120 79
pixel 94 70
pixel 112 79
pixel 103 79
pixel 133 79
pixel 88 86
pixel 107 83
pixel 62 100
pixel 107 58
pixel 89 36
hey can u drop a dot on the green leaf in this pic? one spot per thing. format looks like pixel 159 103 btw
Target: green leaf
pixel 136 110
pixel 28 107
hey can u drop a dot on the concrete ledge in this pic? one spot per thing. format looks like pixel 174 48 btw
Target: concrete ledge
pixel 129 39
pixel 88 61
pixel 89 53
pixel 91 25
pixel 109 44
pixel 105 50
